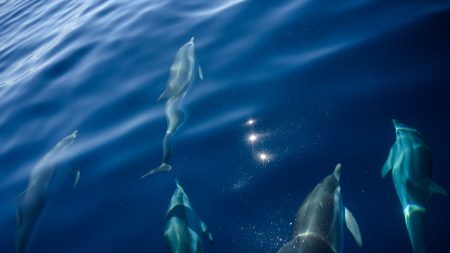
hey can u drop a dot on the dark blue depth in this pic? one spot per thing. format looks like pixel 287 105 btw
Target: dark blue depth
pixel 323 79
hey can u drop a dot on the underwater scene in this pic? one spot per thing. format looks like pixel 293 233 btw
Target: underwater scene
pixel 243 126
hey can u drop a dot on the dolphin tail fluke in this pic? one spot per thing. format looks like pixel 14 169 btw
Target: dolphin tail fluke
pixel 353 227
pixel 436 189
pixel 414 217
pixel 162 168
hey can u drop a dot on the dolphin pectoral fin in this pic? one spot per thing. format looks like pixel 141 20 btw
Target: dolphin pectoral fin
pixel 389 162
pixel 162 168
pixel 385 170
pixel 206 231
pixel 200 72
pixel 165 94
pixel 76 179
pixel 414 217
pixel 436 189
pixel 19 197
pixel 353 227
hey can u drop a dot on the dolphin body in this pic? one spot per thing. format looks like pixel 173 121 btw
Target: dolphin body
pixel 411 163
pixel 183 229
pixel 319 223
pixel 35 196
pixel 182 74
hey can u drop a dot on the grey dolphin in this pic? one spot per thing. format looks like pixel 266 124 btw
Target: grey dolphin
pixel 319 223
pixel 183 229
pixel 35 196
pixel 182 74
pixel 411 163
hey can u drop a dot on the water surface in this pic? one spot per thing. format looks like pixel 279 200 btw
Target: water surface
pixel 322 79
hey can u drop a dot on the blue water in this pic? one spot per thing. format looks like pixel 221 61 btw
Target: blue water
pixel 322 79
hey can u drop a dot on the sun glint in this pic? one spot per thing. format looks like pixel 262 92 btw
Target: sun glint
pixel 250 122
pixel 252 137
pixel 263 156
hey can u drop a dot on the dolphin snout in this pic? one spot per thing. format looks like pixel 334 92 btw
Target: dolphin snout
pixel 178 184
pixel 396 123
pixel 400 126
pixel 192 39
pixel 75 134
pixel 337 171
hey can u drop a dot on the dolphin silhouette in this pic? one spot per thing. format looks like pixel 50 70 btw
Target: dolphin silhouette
pixel 183 229
pixel 182 74
pixel 411 163
pixel 319 223
pixel 35 196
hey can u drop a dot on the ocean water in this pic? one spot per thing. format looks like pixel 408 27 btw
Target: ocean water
pixel 322 80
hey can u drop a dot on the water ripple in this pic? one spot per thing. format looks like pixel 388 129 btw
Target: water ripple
pixel 301 67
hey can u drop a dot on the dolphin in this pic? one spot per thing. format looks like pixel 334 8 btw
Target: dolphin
pixel 182 74
pixel 35 196
pixel 319 223
pixel 183 229
pixel 411 163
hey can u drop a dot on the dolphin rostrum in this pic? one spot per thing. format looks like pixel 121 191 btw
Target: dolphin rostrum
pixel 35 196
pixel 319 223
pixel 183 229
pixel 182 74
pixel 411 163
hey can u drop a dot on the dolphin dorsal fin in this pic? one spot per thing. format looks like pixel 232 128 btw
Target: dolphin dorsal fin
pixel 353 227
pixel 436 189
pixel 200 72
